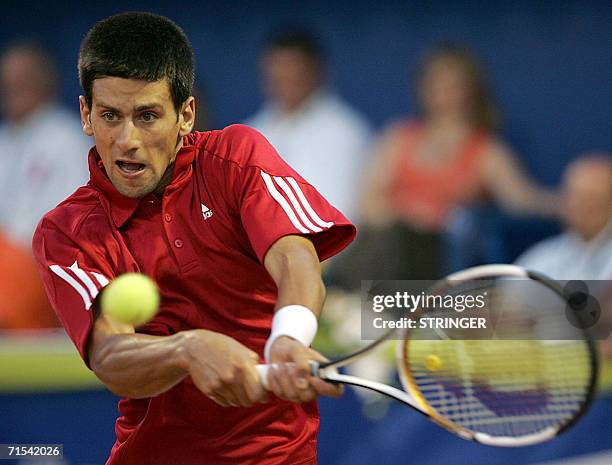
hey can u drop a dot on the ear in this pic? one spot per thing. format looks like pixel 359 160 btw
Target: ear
pixel 187 117
pixel 85 116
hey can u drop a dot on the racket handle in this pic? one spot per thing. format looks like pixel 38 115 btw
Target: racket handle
pixel 262 371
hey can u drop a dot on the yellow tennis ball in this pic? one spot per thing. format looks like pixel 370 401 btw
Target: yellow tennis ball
pixel 131 298
pixel 433 362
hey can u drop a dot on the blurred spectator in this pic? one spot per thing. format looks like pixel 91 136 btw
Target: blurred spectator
pixel 424 169
pixel 312 128
pixel 43 158
pixel 584 250
pixel 43 153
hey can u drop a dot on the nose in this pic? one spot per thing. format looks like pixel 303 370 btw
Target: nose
pixel 129 138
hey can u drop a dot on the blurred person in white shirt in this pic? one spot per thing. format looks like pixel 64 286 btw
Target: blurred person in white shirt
pixel 41 143
pixel 584 250
pixel 319 135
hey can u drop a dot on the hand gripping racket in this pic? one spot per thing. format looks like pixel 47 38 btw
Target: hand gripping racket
pixel 527 381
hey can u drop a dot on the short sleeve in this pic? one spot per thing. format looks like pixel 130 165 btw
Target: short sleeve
pixel 276 201
pixel 72 277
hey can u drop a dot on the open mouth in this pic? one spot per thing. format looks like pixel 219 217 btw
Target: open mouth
pixel 129 168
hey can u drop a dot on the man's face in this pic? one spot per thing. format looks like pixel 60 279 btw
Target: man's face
pixel 137 131
pixel 289 77
pixel 587 190
pixel 444 89
pixel 22 85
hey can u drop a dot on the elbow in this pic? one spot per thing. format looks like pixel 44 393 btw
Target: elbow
pixel 116 386
pixel 120 391
pixel 99 364
pixel 126 391
pixel 98 361
pixel 102 364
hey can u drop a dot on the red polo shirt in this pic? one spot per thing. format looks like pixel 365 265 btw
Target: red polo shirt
pixel 230 199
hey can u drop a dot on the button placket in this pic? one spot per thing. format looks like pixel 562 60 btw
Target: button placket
pixel 176 231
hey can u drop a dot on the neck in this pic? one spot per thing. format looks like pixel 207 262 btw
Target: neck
pixel 167 177
pixel 164 181
pixel 593 235
pixel 288 109
pixel 449 121
pixel 448 127
pixel 23 118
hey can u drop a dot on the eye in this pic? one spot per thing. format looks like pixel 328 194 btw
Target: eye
pixel 109 116
pixel 148 116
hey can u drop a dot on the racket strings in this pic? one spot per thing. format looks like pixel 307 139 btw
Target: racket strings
pixel 502 388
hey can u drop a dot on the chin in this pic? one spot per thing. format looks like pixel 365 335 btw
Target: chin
pixel 134 192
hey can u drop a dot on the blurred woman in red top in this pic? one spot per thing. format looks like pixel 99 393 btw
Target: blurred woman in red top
pixel 23 302
pixel 424 169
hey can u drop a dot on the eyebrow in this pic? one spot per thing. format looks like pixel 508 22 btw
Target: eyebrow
pixel 149 106
pixel 145 106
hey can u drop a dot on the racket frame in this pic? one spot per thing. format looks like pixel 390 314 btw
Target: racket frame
pixel 412 396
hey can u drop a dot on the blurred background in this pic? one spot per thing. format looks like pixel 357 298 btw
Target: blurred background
pixel 452 133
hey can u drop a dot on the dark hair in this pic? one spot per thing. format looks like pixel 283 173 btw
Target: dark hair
pixel 137 45
pixel 483 112
pixel 296 38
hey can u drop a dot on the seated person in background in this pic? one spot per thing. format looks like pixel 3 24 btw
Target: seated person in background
pixel 318 134
pixel 41 143
pixel 584 250
pixel 424 169
pixel 41 162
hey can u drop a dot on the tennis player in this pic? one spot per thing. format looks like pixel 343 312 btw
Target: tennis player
pixel 231 234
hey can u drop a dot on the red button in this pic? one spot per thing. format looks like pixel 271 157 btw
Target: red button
pixel 168 217
pixel 178 243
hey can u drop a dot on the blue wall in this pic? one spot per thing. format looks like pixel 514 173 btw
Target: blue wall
pixel 549 62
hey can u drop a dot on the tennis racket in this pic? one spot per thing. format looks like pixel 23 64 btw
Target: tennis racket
pixel 524 382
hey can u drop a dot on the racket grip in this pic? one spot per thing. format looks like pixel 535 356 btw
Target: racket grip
pixel 262 371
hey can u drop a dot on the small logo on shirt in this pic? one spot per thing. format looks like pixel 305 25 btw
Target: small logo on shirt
pixel 206 212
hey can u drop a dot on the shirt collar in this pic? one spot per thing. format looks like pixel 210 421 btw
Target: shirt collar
pixel 601 238
pixel 34 119
pixel 121 207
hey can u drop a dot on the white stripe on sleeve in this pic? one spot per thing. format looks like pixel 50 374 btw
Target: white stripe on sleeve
pixel 296 205
pixel 309 209
pixel 100 278
pixel 58 270
pixel 283 203
pixel 91 286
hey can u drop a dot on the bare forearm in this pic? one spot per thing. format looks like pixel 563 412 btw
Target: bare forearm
pixel 295 268
pixel 138 365
pixel 528 198
pixel 293 263
pixel 513 189
pixel 304 287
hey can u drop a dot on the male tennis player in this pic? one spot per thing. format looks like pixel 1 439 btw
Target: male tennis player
pixel 231 234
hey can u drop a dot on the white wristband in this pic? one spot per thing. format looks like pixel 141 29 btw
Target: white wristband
pixel 295 321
